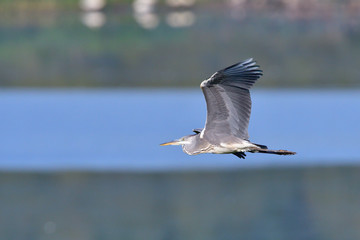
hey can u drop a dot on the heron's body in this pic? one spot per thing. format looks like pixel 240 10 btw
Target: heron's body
pixel 228 113
pixel 228 144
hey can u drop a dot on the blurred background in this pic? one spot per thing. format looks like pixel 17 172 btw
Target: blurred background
pixel 90 88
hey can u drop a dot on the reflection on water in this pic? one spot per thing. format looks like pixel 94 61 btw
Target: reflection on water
pixel 144 13
pixel 180 3
pixel 180 19
pixel 92 5
pixel 92 17
pixel 146 16
pixel 180 13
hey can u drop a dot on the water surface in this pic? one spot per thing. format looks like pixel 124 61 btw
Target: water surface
pixel 121 129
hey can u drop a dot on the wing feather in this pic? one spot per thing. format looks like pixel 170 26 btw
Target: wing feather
pixel 228 100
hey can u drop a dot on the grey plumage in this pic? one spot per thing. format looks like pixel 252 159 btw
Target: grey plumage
pixel 228 103
pixel 228 99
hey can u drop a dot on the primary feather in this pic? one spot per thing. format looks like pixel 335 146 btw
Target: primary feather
pixel 228 100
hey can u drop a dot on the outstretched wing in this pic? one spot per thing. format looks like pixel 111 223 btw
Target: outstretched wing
pixel 228 100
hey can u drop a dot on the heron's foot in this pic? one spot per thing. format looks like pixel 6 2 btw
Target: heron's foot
pixel 240 154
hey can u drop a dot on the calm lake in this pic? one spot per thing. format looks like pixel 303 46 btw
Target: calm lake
pixel 121 129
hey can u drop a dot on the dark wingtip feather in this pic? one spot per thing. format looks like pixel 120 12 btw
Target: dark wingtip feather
pixel 242 74
pixel 246 62
pixel 247 68
pixel 246 72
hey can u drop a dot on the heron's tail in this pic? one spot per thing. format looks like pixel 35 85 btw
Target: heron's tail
pixel 278 152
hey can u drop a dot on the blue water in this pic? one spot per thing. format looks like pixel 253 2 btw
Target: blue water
pixel 121 129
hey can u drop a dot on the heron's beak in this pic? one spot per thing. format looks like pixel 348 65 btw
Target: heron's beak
pixel 175 142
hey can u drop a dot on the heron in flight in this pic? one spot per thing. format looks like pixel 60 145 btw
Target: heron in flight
pixel 228 104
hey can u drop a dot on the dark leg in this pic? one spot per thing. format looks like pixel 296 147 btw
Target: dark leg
pixel 240 154
pixel 278 152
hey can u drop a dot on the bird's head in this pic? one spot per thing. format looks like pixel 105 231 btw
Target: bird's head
pixel 181 141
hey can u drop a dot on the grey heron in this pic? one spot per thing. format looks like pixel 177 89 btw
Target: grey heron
pixel 228 104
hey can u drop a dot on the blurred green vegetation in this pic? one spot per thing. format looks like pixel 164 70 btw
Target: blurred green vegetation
pixel 271 204
pixel 45 43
